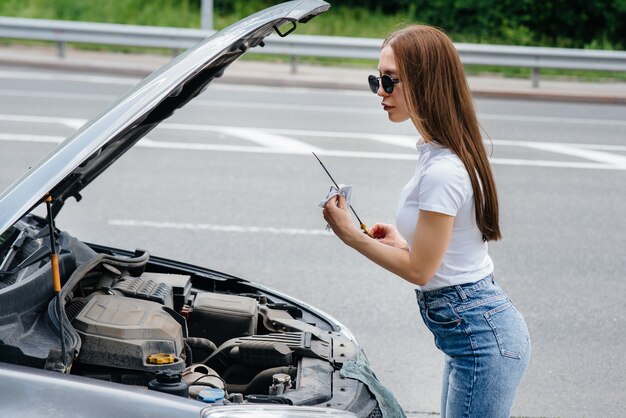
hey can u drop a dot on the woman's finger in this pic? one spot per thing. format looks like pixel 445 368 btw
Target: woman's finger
pixel 341 201
pixel 380 231
pixel 331 204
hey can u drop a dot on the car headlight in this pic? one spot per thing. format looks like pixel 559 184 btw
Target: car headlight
pixel 273 411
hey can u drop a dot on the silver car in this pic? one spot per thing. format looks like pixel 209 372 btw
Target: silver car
pixel 91 331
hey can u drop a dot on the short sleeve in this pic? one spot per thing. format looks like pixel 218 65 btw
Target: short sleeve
pixel 443 187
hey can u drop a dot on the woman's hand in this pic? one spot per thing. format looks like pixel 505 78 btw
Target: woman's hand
pixel 336 214
pixel 389 249
pixel 389 235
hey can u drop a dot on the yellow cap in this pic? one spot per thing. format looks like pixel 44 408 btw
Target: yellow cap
pixel 161 358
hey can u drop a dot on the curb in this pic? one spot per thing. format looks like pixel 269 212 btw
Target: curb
pixel 91 67
pixel 239 77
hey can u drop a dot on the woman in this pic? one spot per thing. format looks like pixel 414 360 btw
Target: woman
pixel 446 215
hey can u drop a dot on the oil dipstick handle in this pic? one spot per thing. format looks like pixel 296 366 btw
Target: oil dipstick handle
pixel 363 226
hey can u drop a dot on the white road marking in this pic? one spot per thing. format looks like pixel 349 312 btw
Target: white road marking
pixel 198 102
pixel 190 146
pixel 218 228
pixel 41 119
pixel 374 109
pixel 552 119
pixel 279 141
pixel 81 78
pixel 85 78
pixel 185 146
pixel 247 88
pixel 269 140
pixel 599 156
pixel 57 95
pixel 286 106
pixel 530 144
pixel 74 124
pixel 31 138
pixel 603 147
pixel 553 164
pixel 404 141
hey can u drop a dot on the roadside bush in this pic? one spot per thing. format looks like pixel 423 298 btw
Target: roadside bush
pixel 564 23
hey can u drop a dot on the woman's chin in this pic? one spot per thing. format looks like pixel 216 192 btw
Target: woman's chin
pixel 394 117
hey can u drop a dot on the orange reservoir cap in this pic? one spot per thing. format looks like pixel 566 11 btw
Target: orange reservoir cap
pixel 161 358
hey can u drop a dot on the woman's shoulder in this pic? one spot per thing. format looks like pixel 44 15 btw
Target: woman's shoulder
pixel 446 170
pixel 444 185
pixel 445 163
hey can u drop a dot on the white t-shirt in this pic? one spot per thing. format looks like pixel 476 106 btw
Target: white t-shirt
pixel 441 184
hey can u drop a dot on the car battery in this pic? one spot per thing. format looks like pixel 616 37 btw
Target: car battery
pixel 220 317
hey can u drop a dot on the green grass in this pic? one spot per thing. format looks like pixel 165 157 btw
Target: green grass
pixel 181 13
pixel 337 21
pixel 185 13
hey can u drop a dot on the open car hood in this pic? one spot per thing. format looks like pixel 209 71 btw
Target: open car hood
pixel 78 160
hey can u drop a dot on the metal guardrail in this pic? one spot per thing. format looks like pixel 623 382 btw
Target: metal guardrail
pixel 535 58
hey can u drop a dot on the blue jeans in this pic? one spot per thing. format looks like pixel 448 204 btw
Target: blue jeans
pixel 486 346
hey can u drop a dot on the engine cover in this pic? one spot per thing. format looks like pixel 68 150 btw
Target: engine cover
pixel 122 332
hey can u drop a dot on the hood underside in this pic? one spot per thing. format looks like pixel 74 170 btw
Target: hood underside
pixel 77 161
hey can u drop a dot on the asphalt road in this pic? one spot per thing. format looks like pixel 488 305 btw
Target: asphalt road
pixel 229 183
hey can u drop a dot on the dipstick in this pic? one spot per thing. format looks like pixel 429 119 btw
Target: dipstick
pixel 363 226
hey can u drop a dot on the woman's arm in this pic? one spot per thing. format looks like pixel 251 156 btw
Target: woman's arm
pixel 417 265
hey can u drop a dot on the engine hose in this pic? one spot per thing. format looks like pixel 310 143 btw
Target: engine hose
pixel 188 355
pixel 262 381
pixel 202 345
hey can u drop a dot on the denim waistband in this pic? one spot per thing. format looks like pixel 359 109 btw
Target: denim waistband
pixel 458 292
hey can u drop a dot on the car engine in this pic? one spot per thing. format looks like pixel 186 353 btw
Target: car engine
pixel 134 319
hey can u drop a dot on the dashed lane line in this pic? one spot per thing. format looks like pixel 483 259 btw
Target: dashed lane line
pixel 218 228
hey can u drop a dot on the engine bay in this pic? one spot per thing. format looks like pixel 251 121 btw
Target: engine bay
pixel 134 328
pixel 134 319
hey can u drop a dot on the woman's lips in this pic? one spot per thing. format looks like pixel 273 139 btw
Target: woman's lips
pixel 387 107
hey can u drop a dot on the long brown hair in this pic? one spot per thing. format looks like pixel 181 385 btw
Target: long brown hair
pixel 441 107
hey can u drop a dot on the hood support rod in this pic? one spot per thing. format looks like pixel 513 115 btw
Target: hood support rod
pixel 56 276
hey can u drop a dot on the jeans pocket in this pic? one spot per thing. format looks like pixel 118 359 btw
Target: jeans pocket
pixel 445 325
pixel 509 328
pixel 442 316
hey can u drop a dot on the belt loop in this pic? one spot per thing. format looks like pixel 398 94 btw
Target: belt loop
pixel 461 293
pixel 419 295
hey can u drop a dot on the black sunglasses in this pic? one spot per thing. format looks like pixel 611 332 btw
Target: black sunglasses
pixel 387 82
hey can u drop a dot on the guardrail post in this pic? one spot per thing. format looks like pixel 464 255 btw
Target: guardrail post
pixel 206 14
pixel 61 49
pixel 294 64
pixel 535 77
